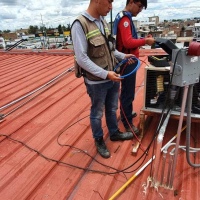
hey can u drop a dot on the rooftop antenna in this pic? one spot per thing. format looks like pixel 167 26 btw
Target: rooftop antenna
pixel 43 32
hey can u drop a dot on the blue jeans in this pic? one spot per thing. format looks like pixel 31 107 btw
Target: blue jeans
pixel 127 95
pixel 103 96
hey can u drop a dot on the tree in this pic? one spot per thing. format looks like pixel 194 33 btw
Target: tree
pixel 33 29
pixel 68 27
pixel 60 30
pixel 6 31
pixel 63 28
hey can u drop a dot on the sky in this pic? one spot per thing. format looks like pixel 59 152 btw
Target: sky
pixel 17 14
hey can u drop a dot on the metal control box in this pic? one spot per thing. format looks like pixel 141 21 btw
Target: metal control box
pixel 186 68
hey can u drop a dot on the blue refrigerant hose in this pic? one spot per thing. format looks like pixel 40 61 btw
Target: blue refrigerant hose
pixel 125 61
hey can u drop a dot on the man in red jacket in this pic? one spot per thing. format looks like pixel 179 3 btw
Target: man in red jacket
pixel 127 41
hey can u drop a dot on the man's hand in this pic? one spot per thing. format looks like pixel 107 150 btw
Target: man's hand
pixel 149 40
pixel 129 56
pixel 113 76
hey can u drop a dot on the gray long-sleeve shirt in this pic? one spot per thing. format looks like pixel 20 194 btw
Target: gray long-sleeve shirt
pixel 80 48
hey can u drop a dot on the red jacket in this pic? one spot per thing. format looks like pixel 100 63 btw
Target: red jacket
pixel 125 42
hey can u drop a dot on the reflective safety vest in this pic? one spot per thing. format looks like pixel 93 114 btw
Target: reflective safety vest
pixel 98 48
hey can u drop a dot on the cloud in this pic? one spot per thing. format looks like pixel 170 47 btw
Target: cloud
pixel 67 3
pixel 8 2
pixel 16 14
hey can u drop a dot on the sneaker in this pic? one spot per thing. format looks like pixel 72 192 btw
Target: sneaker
pixel 133 129
pixel 134 114
pixel 101 148
pixel 119 136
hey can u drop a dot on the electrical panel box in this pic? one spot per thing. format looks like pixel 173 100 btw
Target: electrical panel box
pixel 156 86
pixel 186 69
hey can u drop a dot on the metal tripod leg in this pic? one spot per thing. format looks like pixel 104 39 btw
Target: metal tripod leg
pixel 178 134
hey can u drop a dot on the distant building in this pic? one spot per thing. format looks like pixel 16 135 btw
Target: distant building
pixel 196 31
pixel 149 27
pixel 66 33
pixel 22 31
pixel 10 36
pixel 186 32
pixel 154 19
pixel 2 43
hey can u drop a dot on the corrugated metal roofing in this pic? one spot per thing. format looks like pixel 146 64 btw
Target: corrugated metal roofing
pixel 46 145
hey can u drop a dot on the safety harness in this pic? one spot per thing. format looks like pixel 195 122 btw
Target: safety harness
pixel 119 16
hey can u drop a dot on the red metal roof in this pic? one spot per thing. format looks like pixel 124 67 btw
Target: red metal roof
pixel 46 145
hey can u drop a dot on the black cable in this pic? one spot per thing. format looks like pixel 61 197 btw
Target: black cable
pixel 5 115
pixel 117 171
pixel 54 160
pixel 71 146
pixel 122 171
pixel 162 119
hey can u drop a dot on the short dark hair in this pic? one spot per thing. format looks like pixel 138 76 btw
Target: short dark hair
pixel 143 2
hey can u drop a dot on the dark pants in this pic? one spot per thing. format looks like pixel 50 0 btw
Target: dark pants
pixel 127 94
pixel 104 96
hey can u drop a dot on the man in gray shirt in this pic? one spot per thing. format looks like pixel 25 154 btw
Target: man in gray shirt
pixel 96 55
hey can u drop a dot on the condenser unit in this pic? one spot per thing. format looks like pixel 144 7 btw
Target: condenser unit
pixel 156 85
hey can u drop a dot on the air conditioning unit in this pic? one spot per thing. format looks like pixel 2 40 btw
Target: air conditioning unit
pixel 156 85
